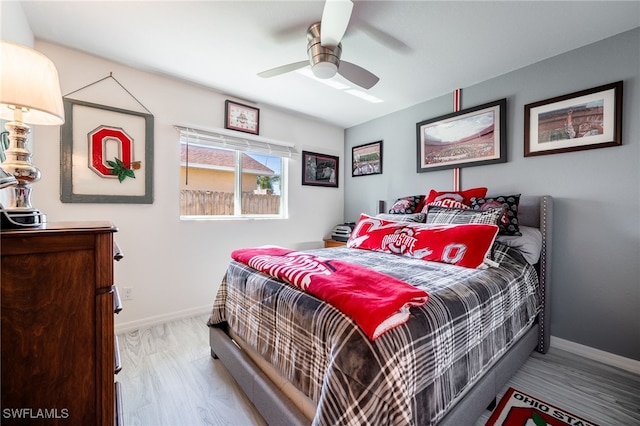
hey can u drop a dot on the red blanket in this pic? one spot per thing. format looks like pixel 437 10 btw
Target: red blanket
pixel 375 301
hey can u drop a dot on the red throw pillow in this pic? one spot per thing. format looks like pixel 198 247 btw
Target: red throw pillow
pixel 462 245
pixel 449 203
pixel 463 197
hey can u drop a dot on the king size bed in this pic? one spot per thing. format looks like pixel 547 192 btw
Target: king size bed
pixel 302 360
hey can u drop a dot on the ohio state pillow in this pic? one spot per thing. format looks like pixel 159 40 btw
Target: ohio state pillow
pixel 462 245
pixel 448 203
pixel 407 205
pixel 509 224
pixel 463 197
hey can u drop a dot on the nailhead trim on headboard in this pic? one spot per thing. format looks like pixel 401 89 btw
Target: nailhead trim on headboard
pixel 543 319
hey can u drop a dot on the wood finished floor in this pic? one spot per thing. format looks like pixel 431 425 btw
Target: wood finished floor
pixel 169 378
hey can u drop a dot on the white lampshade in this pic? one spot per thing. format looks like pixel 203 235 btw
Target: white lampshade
pixel 29 81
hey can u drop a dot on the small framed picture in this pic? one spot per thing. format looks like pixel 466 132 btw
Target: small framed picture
pixel 366 159
pixel 243 118
pixel 319 169
pixel 587 119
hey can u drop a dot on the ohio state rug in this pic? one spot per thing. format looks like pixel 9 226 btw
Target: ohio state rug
pixel 519 409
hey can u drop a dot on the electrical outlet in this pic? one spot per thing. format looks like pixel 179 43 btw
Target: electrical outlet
pixel 127 293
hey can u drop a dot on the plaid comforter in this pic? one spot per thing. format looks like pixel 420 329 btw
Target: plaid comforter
pixel 412 374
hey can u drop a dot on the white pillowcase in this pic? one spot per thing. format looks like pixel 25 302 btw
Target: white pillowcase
pixel 529 243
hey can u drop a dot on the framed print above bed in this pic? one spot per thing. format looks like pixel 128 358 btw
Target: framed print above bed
pixel 582 120
pixel 366 159
pixel 470 137
pixel 319 169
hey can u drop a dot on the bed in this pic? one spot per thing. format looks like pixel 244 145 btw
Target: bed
pixel 299 370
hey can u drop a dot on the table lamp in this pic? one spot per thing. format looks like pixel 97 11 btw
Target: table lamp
pixel 29 94
pixel 6 179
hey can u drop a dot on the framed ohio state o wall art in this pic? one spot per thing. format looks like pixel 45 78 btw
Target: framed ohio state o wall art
pixel 106 154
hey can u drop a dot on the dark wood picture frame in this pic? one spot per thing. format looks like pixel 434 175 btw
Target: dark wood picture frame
pixel 90 136
pixel 320 169
pixel 366 159
pixel 582 120
pixel 240 117
pixel 471 137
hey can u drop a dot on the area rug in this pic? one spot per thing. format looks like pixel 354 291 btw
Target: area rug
pixel 519 409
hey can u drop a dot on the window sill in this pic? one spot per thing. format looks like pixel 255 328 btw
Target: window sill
pixel 227 218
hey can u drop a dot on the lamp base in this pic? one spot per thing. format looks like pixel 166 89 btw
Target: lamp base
pixel 21 218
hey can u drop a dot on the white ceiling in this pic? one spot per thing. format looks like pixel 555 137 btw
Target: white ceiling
pixel 420 50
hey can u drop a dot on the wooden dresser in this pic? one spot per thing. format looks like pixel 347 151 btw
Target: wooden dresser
pixel 59 352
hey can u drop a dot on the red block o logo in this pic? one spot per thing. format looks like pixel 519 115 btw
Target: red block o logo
pixel 98 140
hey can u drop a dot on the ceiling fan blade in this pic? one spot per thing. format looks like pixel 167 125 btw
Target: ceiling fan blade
pixel 283 69
pixel 357 75
pixel 335 18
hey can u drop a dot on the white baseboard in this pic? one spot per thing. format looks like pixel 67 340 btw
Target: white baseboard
pixel 608 358
pixel 126 327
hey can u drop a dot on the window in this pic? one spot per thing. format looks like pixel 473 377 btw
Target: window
pixel 224 175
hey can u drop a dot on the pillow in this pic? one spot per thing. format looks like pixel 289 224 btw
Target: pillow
pixel 443 215
pixel 463 197
pixel 407 205
pixel 529 243
pixel 447 202
pixel 509 223
pixel 413 217
pixel 462 245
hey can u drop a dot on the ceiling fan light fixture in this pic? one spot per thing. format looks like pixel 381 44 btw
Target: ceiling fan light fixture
pixel 324 70
pixel 324 61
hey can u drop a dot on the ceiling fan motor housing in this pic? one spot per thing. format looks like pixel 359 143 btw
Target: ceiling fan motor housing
pixel 324 60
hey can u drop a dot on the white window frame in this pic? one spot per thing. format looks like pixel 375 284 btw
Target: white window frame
pixel 240 142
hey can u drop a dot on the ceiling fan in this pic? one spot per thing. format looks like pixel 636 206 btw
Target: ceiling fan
pixel 324 48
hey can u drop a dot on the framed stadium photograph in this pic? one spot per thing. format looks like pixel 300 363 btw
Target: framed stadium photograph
pixel 366 159
pixel 471 137
pixel 582 120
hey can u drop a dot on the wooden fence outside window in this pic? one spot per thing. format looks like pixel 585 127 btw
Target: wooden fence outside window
pixel 206 203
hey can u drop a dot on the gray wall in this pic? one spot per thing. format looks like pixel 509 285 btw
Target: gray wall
pixel 596 289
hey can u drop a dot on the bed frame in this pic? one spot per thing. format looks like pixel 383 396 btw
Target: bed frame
pixel 277 409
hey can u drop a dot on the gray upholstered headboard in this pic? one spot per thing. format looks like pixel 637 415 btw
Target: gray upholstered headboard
pixel 537 211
